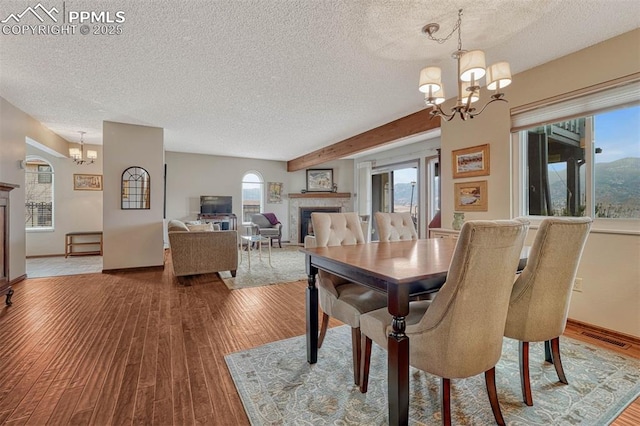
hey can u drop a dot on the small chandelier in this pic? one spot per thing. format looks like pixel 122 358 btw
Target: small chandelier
pixel 471 68
pixel 78 154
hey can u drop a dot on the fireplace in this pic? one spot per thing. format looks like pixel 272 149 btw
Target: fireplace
pixel 306 228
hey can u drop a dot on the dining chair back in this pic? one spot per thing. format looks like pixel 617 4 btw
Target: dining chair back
pixel 540 299
pixel 339 298
pixel 395 226
pixel 459 333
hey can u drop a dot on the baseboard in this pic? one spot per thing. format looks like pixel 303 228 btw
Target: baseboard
pixel 44 255
pixel 18 279
pixel 135 269
pixel 633 340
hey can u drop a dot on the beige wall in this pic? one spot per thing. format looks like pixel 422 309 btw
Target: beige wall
pixel 191 175
pixel 15 127
pixel 73 210
pixel 609 268
pixel 132 238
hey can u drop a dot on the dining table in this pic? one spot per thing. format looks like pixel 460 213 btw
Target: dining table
pixel 402 270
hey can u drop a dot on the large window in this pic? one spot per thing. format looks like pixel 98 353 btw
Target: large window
pixel 38 194
pixel 586 166
pixel 252 195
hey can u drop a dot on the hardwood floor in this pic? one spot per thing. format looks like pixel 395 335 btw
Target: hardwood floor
pixel 140 348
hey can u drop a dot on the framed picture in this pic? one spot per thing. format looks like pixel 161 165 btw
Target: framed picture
pixel 469 162
pixel 87 182
pixel 274 192
pixel 471 196
pixel 319 180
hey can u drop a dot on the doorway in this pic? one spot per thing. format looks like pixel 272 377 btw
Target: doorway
pixel 395 188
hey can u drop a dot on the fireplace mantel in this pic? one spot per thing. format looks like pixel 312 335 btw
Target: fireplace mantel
pixel 320 195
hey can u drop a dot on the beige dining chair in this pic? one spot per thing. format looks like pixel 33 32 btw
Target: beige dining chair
pixel 459 333
pixel 395 227
pixel 339 298
pixel 540 298
pixel 400 227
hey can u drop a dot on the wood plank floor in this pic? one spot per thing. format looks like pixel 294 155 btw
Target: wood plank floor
pixel 141 348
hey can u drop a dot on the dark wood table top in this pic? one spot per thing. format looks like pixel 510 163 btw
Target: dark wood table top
pixel 396 262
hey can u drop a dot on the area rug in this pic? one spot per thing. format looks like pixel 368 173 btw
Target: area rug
pixel 287 265
pixel 278 387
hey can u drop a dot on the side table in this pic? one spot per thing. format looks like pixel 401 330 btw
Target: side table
pixel 259 239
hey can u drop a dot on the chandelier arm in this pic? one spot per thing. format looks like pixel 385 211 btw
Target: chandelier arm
pixel 438 112
pixel 487 104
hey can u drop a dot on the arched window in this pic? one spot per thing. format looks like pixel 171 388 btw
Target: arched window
pixel 252 198
pixel 38 193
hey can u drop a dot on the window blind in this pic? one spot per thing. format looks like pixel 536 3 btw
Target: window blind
pixel 576 105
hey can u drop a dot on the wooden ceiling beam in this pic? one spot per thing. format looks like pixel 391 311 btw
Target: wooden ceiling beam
pixel 406 126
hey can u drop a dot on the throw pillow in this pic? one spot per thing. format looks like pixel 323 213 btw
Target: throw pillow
pixel 202 227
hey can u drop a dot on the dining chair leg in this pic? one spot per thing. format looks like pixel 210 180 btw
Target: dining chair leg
pixel 525 380
pixel 323 329
pixel 557 362
pixel 490 380
pixel 547 352
pixel 365 363
pixel 445 401
pixel 355 345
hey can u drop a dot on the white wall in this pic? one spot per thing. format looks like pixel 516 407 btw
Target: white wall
pixel 132 238
pixel 74 211
pixel 191 175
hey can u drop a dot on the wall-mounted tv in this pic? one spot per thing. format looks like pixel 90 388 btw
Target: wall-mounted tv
pixel 215 204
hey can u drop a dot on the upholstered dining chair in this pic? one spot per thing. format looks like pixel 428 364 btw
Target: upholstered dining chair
pixel 395 226
pixel 339 298
pixel 459 333
pixel 400 227
pixel 540 298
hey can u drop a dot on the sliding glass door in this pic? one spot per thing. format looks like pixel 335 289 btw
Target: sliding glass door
pixel 395 188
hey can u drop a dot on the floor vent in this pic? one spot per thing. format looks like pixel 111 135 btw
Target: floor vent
pixel 607 340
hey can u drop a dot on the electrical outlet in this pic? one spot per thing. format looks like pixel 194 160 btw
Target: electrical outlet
pixel 577 285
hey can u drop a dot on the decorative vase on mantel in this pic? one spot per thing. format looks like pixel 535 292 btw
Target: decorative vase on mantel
pixel 458 220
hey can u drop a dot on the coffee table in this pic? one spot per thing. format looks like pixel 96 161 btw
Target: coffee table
pixel 251 239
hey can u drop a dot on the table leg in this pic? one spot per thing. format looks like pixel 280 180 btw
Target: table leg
pixel 269 244
pixel 312 313
pixel 249 255
pixel 260 249
pixel 398 356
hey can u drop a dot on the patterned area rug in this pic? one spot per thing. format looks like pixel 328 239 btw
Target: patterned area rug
pixel 287 265
pixel 278 387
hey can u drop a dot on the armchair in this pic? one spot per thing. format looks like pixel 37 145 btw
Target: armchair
pixel 268 226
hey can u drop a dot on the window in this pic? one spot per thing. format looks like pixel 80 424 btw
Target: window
pixel 252 195
pixel 38 193
pixel 588 165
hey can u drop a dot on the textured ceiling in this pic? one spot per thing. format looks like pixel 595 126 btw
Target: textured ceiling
pixel 274 79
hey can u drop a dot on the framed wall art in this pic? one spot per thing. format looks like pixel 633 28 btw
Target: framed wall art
pixel 87 182
pixel 274 192
pixel 470 162
pixel 319 180
pixel 471 196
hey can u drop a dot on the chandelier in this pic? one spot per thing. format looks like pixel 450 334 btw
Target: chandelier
pixel 471 68
pixel 77 154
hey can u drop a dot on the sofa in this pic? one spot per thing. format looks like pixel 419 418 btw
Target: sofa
pixel 202 248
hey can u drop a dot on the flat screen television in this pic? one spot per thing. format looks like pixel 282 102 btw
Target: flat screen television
pixel 215 204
